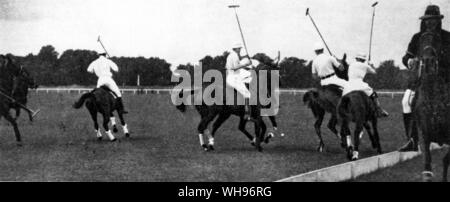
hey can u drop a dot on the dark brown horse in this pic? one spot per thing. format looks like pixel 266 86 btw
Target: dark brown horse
pixel 210 111
pixel 11 74
pixel 359 108
pixel 324 100
pixel 22 84
pixel 431 107
pixel 101 100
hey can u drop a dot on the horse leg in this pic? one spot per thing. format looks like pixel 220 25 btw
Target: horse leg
pixel 113 123
pixel 332 126
pixel 216 125
pixel 93 114
pixel 446 162
pixel 317 126
pixel 202 127
pixel 346 141
pixel 427 174
pixel 376 135
pixel 356 137
pixel 258 134
pixel 242 123
pixel 124 125
pixel 17 113
pixel 372 139
pixel 13 122
pixel 106 118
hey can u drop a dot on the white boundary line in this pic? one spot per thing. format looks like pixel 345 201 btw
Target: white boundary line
pixel 354 169
pixel 160 90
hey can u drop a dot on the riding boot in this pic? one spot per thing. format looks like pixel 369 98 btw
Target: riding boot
pixel 411 134
pixel 247 115
pixel 120 106
pixel 379 111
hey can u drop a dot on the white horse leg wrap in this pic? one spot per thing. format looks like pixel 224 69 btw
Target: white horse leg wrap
pixel 355 154
pixel 200 137
pixel 113 121
pixel 125 129
pixel 349 141
pixel 406 101
pixel 98 133
pixel 361 134
pixel 110 135
pixel 210 140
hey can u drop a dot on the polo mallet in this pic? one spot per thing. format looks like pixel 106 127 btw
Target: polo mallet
pixel 33 113
pixel 100 41
pixel 371 30
pixel 307 13
pixel 240 29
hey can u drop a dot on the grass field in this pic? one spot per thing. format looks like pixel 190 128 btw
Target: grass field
pixel 409 171
pixel 60 145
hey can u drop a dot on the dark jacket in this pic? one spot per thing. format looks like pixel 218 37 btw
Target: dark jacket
pixel 444 58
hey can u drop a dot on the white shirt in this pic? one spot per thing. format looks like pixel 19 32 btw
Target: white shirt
pixel 323 65
pixel 232 61
pixel 102 67
pixel 358 70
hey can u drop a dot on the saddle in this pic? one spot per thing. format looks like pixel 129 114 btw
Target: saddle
pixel 333 88
pixel 110 91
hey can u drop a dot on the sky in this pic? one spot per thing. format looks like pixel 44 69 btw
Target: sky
pixel 182 31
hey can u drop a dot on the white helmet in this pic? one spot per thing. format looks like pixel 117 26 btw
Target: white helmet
pixel 318 46
pixel 237 45
pixel 361 56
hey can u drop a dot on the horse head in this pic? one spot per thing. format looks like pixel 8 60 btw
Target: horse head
pixel 342 70
pixel 429 51
pixel 25 80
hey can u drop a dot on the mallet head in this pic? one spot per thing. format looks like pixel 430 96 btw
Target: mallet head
pixel 374 4
pixel 98 39
pixel 233 6
pixel 307 11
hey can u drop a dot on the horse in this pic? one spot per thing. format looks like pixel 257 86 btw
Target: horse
pixel 10 73
pixel 102 100
pixel 22 84
pixel 325 99
pixel 431 106
pixel 359 108
pixel 209 112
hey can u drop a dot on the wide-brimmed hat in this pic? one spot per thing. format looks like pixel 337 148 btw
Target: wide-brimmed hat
pixel 432 11
pixel 361 56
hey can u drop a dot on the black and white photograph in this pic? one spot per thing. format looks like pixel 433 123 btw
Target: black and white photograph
pixel 242 91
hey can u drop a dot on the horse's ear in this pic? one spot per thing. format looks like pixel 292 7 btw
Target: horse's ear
pixel 344 57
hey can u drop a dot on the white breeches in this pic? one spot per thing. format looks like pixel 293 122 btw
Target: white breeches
pixel 357 85
pixel 109 82
pixel 334 80
pixel 238 81
pixel 406 101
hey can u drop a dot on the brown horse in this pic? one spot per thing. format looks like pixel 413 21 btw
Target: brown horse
pixel 11 74
pixel 359 108
pixel 431 107
pixel 324 100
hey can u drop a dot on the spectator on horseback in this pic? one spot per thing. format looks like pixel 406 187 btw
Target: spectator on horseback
pixel 238 75
pixel 102 67
pixel 431 22
pixel 323 68
pixel 356 73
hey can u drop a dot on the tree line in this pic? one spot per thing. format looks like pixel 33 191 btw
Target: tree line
pixel 49 68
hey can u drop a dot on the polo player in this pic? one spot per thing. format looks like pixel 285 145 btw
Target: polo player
pixel 102 67
pixel 431 22
pixel 322 67
pixel 238 75
pixel 356 73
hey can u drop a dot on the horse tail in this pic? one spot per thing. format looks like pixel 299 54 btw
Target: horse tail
pixel 82 99
pixel 310 98
pixel 343 107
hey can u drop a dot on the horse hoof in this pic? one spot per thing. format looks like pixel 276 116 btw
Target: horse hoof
pixel 204 147
pixel 127 135
pixel 19 144
pixel 115 130
pixel 427 176
pixel 113 140
pixel 99 138
pixel 320 149
pixel 253 144
pixel 267 139
pixel 210 148
pixel 260 149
